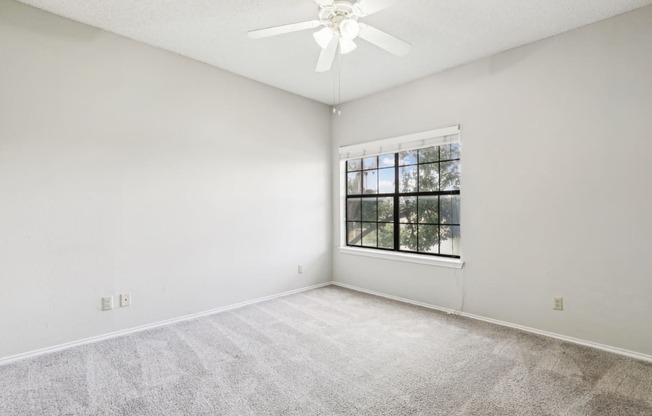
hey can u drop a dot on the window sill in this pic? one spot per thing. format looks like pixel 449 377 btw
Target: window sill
pixel 411 258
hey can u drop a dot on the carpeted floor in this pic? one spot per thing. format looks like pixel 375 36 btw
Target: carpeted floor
pixel 329 351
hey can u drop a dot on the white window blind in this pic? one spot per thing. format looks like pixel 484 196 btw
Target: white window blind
pixel 396 144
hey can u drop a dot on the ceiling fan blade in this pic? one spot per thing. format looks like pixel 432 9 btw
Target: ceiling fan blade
pixel 327 56
pixel 280 30
pixel 369 7
pixel 384 40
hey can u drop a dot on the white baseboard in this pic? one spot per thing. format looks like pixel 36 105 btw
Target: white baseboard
pixel 47 350
pixel 615 350
pixel 34 353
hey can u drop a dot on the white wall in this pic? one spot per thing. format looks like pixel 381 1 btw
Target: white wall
pixel 127 168
pixel 556 194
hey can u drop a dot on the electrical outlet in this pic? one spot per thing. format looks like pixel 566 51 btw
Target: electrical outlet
pixel 107 303
pixel 299 269
pixel 125 299
pixel 558 303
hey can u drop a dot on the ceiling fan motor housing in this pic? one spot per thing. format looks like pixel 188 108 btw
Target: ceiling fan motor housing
pixel 339 27
pixel 341 16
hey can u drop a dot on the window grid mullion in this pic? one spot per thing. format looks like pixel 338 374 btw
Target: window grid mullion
pixel 396 195
pixel 397 226
pixel 417 199
pixel 439 202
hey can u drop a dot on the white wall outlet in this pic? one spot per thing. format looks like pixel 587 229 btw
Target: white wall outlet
pixel 558 303
pixel 299 269
pixel 125 299
pixel 107 303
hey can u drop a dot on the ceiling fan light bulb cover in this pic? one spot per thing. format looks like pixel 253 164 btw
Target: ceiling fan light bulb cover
pixel 349 29
pixel 323 37
pixel 346 46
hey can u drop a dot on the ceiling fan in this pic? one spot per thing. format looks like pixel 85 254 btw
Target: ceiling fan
pixel 340 26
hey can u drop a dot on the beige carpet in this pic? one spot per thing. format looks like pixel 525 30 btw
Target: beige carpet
pixel 329 351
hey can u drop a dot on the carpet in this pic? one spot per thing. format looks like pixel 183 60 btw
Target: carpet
pixel 328 351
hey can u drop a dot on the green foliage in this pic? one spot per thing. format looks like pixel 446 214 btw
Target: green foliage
pixel 416 233
pixel 386 235
pixel 419 217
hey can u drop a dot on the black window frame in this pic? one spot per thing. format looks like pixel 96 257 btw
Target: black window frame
pixel 396 195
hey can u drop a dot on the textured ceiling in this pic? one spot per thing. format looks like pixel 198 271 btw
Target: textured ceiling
pixel 444 34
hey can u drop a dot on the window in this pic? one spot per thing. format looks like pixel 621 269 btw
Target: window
pixel 407 201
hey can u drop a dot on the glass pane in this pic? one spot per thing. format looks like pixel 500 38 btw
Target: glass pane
pixel 386 161
pixel 409 157
pixel 449 209
pixel 450 240
pixel 386 209
pixel 407 209
pixel 429 239
pixel 354 183
pixel 408 237
pixel 450 151
pixel 353 212
pixel 386 181
pixel 369 234
pixel 354 164
pixel 370 178
pixel 407 179
pixel 370 162
pixel 455 151
pixel 369 209
pixel 386 236
pixel 429 177
pixel 354 230
pixel 428 209
pixel 450 176
pixel 429 154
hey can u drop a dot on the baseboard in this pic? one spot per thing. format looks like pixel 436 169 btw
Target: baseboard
pixel 614 350
pixel 396 298
pixel 47 350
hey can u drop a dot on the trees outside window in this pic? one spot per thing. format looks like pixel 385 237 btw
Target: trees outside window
pixel 407 201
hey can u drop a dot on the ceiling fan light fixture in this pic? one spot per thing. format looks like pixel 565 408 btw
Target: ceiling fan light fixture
pixel 335 28
pixel 323 37
pixel 346 46
pixel 349 29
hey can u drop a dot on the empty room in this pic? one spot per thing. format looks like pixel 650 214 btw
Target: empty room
pixel 326 207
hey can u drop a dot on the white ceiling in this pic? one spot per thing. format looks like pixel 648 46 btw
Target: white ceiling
pixel 444 34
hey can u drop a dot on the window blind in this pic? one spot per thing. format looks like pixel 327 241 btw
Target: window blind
pixel 397 144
